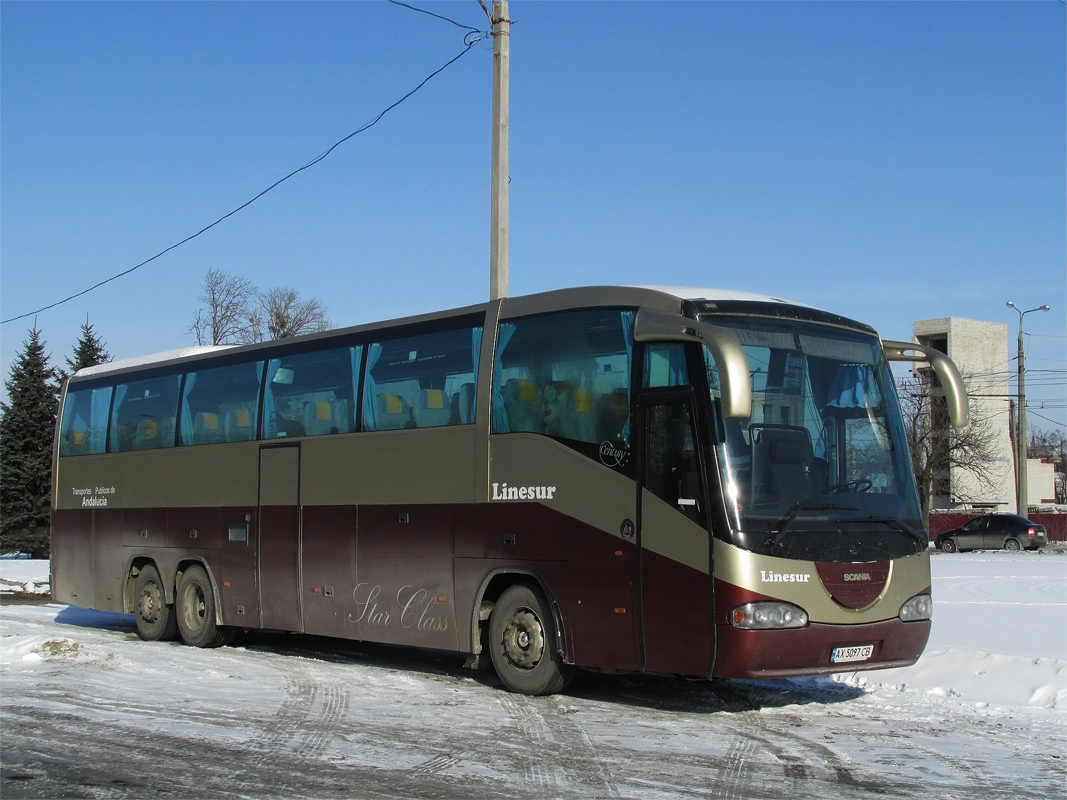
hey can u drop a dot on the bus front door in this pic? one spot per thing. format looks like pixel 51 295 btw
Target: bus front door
pixel 673 540
pixel 279 537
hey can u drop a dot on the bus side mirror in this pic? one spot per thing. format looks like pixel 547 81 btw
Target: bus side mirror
pixel 951 381
pixel 734 382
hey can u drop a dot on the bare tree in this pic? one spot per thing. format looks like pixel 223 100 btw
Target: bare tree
pixel 938 450
pixel 286 315
pixel 234 311
pixel 226 316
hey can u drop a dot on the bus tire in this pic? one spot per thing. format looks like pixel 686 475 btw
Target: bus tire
pixel 156 621
pixel 195 605
pixel 522 635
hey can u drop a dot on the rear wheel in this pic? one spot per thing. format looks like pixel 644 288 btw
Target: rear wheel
pixel 196 610
pixel 156 621
pixel 1012 544
pixel 522 635
pixel 948 546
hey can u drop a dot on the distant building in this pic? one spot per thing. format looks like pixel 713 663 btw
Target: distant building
pixel 980 351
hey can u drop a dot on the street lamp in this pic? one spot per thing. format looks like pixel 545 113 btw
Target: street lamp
pixel 1020 437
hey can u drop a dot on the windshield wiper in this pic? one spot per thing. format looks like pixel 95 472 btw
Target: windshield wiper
pixel 787 520
pixel 893 523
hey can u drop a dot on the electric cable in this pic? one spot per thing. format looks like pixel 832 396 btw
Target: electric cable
pixel 473 37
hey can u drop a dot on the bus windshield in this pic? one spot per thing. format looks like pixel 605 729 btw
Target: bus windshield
pixel 820 471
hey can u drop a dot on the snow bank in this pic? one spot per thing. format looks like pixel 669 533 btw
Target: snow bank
pixel 24 576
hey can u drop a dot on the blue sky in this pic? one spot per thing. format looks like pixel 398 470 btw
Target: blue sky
pixel 887 161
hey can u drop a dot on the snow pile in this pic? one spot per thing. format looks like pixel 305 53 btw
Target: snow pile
pixel 972 676
pixel 999 635
pixel 24 576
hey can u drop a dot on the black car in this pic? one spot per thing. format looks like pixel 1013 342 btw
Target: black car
pixel 993 532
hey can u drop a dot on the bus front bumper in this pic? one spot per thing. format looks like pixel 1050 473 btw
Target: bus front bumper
pixel 818 649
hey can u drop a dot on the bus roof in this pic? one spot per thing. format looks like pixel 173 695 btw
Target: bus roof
pixel 153 358
pixel 697 294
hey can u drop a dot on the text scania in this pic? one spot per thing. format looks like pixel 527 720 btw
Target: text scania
pixel 766 576
pixel 501 491
pixel 856 576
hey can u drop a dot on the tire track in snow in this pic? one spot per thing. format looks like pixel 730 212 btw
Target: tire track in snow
pixel 563 761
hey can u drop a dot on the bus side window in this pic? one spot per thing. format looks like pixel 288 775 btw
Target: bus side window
pixel 311 394
pixel 144 413
pixel 664 365
pixel 672 470
pixel 84 428
pixel 424 381
pixel 221 404
pixel 566 375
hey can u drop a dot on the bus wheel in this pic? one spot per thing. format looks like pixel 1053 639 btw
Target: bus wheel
pixel 521 643
pixel 156 620
pixel 196 610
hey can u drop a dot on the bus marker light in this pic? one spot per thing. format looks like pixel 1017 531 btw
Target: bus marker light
pixel 618 552
pixel 620 610
pixel 316 590
pixel 441 598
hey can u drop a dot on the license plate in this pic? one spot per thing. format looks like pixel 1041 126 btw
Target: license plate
pixel 841 655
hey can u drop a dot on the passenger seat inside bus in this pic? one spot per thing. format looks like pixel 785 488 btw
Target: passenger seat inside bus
pixel 431 409
pixel 237 422
pixel 393 412
pixel 523 405
pixel 463 405
pixel 325 416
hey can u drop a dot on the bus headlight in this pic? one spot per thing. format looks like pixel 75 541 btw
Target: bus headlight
pixel 919 607
pixel 768 616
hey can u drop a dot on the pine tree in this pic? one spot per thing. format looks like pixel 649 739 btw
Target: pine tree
pixel 88 352
pixel 27 425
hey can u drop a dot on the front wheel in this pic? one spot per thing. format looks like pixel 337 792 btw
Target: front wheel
pixel 196 610
pixel 156 621
pixel 948 546
pixel 522 637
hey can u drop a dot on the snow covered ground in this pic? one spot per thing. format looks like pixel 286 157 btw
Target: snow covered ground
pixel 983 713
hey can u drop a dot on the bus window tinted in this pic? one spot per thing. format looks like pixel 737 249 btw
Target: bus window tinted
pixel 565 375
pixel 422 381
pixel 310 394
pixel 220 404
pixel 84 428
pixel 144 413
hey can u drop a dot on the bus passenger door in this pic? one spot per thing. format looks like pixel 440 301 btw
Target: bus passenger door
pixel 673 540
pixel 279 536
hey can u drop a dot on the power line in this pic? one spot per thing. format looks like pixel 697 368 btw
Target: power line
pixel 473 37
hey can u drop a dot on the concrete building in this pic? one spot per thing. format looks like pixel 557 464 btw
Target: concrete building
pixel 980 351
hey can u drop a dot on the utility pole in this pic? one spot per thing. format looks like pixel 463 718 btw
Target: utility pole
pixel 498 213
pixel 1021 455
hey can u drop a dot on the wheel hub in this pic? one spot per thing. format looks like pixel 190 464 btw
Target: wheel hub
pixel 149 604
pixel 524 639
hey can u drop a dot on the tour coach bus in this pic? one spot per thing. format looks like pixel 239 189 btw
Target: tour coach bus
pixel 698 482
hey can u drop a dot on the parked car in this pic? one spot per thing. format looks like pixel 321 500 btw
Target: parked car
pixel 993 532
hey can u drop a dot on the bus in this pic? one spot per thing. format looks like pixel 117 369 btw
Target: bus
pixel 705 483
